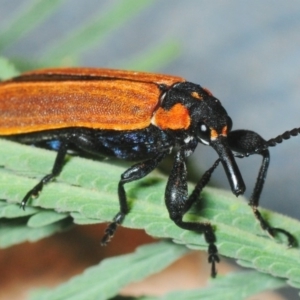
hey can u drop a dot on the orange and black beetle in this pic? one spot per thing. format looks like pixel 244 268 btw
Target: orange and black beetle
pixel 136 116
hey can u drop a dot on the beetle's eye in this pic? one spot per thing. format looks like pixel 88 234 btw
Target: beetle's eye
pixel 229 124
pixel 203 133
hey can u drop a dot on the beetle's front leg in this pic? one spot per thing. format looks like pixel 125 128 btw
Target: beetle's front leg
pixel 178 203
pixel 245 143
pixel 135 172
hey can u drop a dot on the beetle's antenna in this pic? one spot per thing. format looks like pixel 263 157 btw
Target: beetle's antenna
pixel 280 138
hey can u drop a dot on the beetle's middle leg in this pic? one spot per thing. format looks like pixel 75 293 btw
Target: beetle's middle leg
pixel 135 172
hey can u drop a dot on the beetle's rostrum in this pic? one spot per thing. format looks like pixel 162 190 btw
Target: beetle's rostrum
pixel 134 116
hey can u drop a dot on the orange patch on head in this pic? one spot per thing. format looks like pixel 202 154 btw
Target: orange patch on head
pixel 196 95
pixel 177 117
pixel 224 131
pixel 213 134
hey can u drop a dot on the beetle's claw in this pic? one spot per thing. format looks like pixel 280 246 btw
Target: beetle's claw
pixel 109 233
pixel 213 258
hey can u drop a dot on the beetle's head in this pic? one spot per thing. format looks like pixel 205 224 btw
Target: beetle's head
pixel 189 106
pixel 211 129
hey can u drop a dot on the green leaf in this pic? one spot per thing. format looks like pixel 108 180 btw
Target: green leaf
pixel 28 16
pixel 44 218
pixel 11 211
pixel 91 195
pixel 235 286
pixel 16 231
pixel 106 279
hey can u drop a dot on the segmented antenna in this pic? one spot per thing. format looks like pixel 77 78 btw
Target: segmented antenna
pixel 285 136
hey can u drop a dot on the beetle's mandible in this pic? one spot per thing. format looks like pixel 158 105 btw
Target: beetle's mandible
pixel 135 116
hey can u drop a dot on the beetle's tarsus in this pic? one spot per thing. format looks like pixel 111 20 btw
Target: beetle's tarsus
pixel 213 258
pixel 111 228
pixel 272 231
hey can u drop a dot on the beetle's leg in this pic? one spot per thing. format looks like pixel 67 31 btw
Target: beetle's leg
pixel 178 203
pixel 57 167
pixel 246 143
pixel 135 172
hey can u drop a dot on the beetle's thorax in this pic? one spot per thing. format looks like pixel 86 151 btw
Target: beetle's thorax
pixel 185 106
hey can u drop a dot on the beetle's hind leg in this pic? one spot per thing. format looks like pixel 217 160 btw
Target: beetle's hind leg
pixel 57 167
pixel 178 203
pixel 135 172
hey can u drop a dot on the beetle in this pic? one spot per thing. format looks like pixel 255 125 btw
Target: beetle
pixel 134 116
